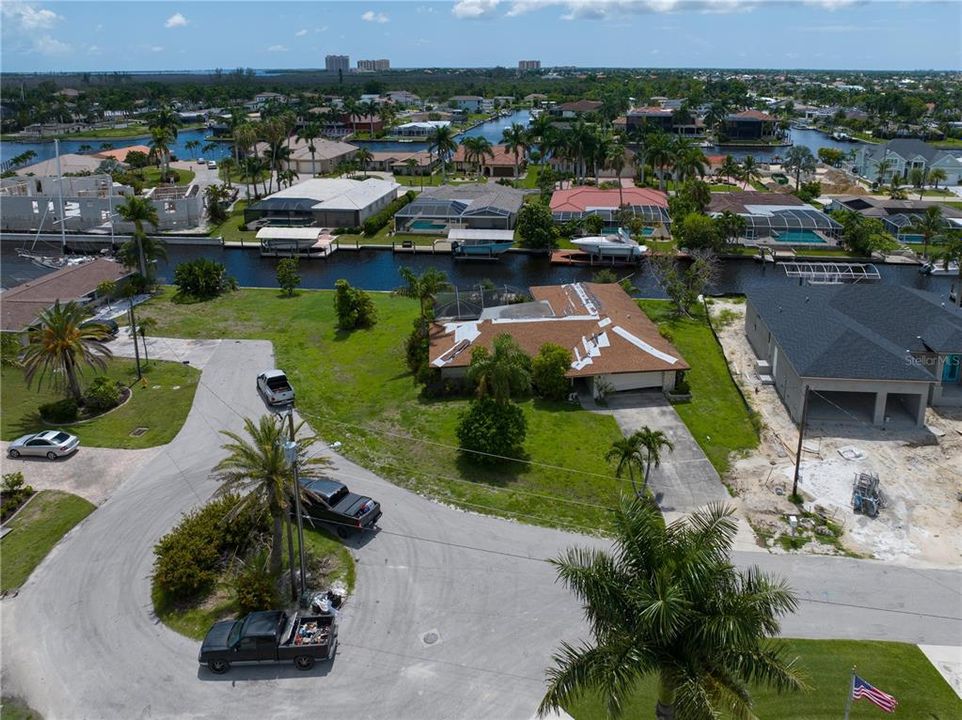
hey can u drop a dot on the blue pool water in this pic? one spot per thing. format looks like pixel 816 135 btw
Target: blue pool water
pixel 427 225
pixel 806 237
pixel 912 239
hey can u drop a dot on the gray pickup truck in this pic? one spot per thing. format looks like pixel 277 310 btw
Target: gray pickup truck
pixel 275 388
pixel 270 636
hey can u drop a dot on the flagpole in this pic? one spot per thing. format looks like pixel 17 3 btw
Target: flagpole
pixel 851 688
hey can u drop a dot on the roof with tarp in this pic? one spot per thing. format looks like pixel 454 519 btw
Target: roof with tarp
pixel 648 214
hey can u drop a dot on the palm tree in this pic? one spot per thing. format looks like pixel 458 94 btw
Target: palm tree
pixel 165 120
pixel 515 139
pixel 85 148
pixel 929 225
pixel 191 145
pixel 936 176
pixel 228 166
pixel 370 109
pixel 441 141
pixel 310 132
pixel 475 150
pixel 160 140
pixel 659 151
pixel 424 287
pixel 689 161
pixel 139 210
pixel 668 601
pixel 629 454
pixel 716 114
pixel 799 159
pixel 881 170
pixel 60 344
pixel 363 158
pixel 258 470
pixel 750 170
pixel 917 178
pixel 502 372
pixel 615 160
pixel 730 168
pixel 144 325
pixel 653 441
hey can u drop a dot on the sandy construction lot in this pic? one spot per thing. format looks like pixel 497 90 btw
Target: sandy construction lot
pixel 920 472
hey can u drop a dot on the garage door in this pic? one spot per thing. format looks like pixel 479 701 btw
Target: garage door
pixel 635 381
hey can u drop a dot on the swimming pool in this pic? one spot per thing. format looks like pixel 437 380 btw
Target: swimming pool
pixel 912 239
pixel 799 237
pixel 429 225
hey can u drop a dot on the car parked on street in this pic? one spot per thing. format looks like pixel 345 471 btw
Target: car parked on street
pixel 51 444
pixel 211 165
pixel 329 502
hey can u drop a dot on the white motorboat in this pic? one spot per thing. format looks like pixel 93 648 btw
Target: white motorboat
pixel 618 244
pixel 940 268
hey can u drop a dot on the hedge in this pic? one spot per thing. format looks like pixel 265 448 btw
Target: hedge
pixel 382 218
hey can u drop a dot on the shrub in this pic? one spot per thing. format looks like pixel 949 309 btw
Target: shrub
pixel 188 558
pixel 594 224
pixel 493 428
pixel 202 278
pixel 605 276
pixel 416 349
pixel 287 276
pixel 548 369
pixel 681 384
pixel 536 227
pixel 101 395
pixel 382 217
pixel 255 588
pixel 60 411
pixel 14 492
pixel 353 306
pixel 10 349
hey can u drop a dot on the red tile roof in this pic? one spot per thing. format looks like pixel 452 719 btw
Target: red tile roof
pixel 606 332
pixel 579 199
pixel 580 106
pixel 502 156
pixel 752 115
pixel 651 110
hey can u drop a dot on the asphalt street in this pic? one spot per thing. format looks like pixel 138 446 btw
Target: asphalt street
pixel 455 615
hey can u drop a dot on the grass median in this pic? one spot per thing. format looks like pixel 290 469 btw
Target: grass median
pixel 355 388
pixel 34 531
pixel 161 406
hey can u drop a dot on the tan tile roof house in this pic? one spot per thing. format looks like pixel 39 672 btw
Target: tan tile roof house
pixel 20 305
pixel 612 342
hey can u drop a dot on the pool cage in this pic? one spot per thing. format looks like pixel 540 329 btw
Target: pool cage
pixel 778 222
pixel 649 214
pixel 828 273
pixel 468 304
pixel 427 215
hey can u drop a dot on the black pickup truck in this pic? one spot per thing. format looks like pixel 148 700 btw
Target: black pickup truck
pixel 270 636
pixel 329 501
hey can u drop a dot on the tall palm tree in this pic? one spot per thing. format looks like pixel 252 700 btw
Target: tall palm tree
pixel 60 344
pixel 750 170
pixel 309 133
pixel 144 325
pixel 689 161
pixel 629 455
pixel 476 149
pixel 660 153
pixel 138 210
pixel 424 287
pixel 615 160
pixel 370 109
pixel 160 140
pixel 363 158
pixel 936 176
pixel 929 225
pixel 515 139
pixel 190 146
pixel 882 169
pixel 502 372
pixel 257 469
pixel 441 141
pixel 227 167
pixel 411 164
pixel 668 601
pixel 653 441
pixel 917 178
pixel 798 160
pixel 730 168
pixel 165 120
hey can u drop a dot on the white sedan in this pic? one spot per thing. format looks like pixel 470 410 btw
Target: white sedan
pixel 51 444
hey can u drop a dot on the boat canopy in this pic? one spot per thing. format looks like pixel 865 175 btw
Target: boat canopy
pixel 480 236
pixel 289 233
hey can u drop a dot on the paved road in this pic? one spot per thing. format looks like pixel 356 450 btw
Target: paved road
pixel 80 640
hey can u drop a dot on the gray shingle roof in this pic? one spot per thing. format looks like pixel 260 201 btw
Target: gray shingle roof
pixel 908 148
pixel 858 331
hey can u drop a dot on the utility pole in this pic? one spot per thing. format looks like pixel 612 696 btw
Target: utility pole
pixel 290 450
pixel 133 332
pixel 801 435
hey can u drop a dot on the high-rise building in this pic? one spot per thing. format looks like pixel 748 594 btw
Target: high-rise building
pixel 373 65
pixel 335 63
pixel 526 65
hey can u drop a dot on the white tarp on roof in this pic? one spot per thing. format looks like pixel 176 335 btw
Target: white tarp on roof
pixel 642 345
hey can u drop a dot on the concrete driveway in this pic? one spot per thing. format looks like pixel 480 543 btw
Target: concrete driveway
pixel 685 480
pixel 455 615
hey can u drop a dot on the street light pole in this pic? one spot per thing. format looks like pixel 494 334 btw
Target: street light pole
pixel 290 449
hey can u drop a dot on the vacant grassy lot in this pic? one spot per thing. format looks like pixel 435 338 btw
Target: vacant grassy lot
pixel 355 388
pixel 898 669
pixel 161 409
pixel 716 415
pixel 230 228
pixel 38 527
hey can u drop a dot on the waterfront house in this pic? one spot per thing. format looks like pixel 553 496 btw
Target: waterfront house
pixel 483 207
pixel 750 125
pixel 579 202
pixel 397 162
pixel 613 344
pixel 777 219
pixel 896 215
pixel 420 129
pixel 857 360
pixel 328 154
pixel 500 165
pixel 905 155
pixel 576 109
pixel 331 203
pixel 469 103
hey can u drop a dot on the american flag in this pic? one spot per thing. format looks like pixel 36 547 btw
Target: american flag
pixel 863 689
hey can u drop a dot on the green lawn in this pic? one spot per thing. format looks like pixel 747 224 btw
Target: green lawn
pixel 956 205
pixel 35 530
pixel 355 388
pixel 152 176
pixel 530 179
pixel 722 187
pixel 15 709
pixel 899 669
pixel 161 409
pixel 194 621
pixel 949 143
pixel 716 416
pixel 417 181
pixel 230 228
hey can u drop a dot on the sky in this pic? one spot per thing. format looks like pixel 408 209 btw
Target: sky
pixel 196 35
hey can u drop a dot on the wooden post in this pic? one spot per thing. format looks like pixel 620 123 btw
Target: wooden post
pixel 801 435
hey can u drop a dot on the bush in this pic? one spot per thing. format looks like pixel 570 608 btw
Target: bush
pixel 493 428
pixel 10 349
pixel 548 371
pixel 536 227
pixel 353 306
pixel 382 217
pixel 14 492
pixel 60 411
pixel 255 588
pixel 101 395
pixel 202 278
pixel 287 276
pixel 188 558
pixel 417 348
pixel 594 224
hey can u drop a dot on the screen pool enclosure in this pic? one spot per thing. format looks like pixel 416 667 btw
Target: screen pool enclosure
pixel 801 222
pixel 828 273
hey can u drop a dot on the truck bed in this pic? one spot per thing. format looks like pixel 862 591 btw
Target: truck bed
pixel 309 635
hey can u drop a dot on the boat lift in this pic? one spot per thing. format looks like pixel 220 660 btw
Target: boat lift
pixel 829 273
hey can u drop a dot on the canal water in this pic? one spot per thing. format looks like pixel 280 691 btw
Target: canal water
pixel 379 270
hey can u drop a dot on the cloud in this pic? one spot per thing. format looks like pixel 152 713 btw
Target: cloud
pixel 475 9
pixel 832 5
pixel 300 33
pixel 47 45
pixel 176 20
pixel 277 48
pixel 27 17
pixel 371 16
pixel 93 50
pixel 156 48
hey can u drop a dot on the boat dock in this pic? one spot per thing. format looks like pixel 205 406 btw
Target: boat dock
pixel 579 257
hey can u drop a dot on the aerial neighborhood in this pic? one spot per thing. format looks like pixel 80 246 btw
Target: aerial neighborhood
pixel 423 386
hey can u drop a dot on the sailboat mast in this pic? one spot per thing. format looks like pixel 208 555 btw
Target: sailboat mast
pixel 63 210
